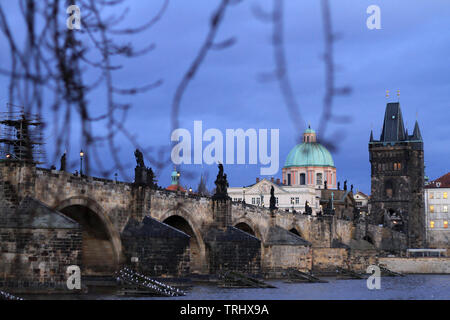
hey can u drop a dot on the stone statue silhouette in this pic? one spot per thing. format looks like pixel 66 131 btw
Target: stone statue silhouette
pixel 339 185
pixel 345 185
pixel 308 209
pixel 221 183
pixel 273 200
pixel 325 185
pixel 139 158
pixel 351 188
pixel 63 162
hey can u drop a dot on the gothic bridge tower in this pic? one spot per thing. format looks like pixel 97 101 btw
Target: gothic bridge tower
pixel 397 177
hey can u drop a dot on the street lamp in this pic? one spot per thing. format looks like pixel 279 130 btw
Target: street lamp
pixel 81 162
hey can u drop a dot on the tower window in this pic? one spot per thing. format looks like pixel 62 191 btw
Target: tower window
pixel 302 179
pixel 445 209
pixel 289 179
pixel 432 209
pixel 445 195
pixel 446 224
pixel 319 179
pixel 431 224
pixel 397 166
pixel 431 195
pixel 389 189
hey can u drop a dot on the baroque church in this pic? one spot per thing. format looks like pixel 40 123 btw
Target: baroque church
pixel 397 177
pixel 308 183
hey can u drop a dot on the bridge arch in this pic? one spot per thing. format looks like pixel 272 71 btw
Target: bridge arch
pixel 248 226
pixel 179 219
pixel 102 247
pixel 245 227
pixel 295 231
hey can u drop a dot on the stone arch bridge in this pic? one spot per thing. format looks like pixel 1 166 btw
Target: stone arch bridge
pixel 104 208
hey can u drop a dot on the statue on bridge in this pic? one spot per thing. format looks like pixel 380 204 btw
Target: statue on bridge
pixel 63 162
pixel 273 200
pixel 139 159
pixel 143 175
pixel 345 185
pixel 221 184
pixel 308 209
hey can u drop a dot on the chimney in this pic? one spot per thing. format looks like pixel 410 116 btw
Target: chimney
pixel 257 180
pixel 278 181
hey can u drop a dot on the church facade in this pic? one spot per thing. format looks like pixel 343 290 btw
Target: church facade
pixel 397 177
pixel 308 170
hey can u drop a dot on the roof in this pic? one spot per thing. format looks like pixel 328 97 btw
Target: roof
pixel 309 130
pixel 33 214
pixel 279 236
pixel 174 187
pixel 363 194
pixel 309 154
pixel 338 195
pixel 151 228
pixel 442 182
pixel 394 128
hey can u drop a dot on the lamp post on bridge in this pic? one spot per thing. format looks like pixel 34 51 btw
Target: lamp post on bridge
pixel 81 162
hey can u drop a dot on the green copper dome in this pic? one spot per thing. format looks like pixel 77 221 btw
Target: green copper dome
pixel 309 154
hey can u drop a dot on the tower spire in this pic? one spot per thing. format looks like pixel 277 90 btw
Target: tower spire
pixel 417 135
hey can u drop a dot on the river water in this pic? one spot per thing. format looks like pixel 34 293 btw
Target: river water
pixel 410 287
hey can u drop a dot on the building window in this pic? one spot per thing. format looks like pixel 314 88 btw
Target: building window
pixel 302 178
pixel 292 200
pixel 258 201
pixel 389 189
pixel 446 224
pixel 432 224
pixel 431 195
pixel 438 195
pixel 445 209
pixel 319 179
pixel 432 209
pixel 297 200
pixel 289 179
pixel 445 195
pixel 253 200
pixel 359 203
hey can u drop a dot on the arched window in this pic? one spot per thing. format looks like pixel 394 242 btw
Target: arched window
pixel 319 179
pixel 389 189
pixel 302 179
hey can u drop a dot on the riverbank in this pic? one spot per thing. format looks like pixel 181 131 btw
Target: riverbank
pixel 425 265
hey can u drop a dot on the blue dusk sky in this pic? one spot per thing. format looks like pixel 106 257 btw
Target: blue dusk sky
pixel 411 52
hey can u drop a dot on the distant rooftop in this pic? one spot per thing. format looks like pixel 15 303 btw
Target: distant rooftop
pixel 442 182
